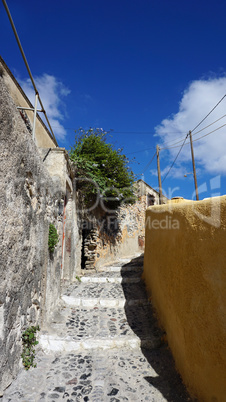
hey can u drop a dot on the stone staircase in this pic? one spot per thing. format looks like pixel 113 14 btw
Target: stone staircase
pixel 106 310
pixel 103 344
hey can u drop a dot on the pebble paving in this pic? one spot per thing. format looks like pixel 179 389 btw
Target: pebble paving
pixel 102 353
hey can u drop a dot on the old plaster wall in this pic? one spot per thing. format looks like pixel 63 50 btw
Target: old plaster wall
pixel 142 188
pixel 43 136
pixel 185 272
pixel 30 279
pixel 57 162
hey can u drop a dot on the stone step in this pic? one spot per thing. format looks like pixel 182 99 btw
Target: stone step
pixel 120 268
pixel 113 272
pixel 52 343
pixel 101 322
pixel 95 302
pixel 105 291
pixel 108 279
pixel 101 328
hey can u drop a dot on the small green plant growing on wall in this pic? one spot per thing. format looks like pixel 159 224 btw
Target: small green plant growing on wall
pixel 53 237
pixel 29 341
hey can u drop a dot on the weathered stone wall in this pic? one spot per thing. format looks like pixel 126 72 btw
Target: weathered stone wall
pixel 185 271
pixel 110 236
pixel 29 200
pixel 57 162
pixel 142 188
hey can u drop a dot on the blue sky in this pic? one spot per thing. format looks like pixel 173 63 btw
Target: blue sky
pixel 149 70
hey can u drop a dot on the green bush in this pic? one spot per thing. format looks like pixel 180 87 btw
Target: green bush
pixel 53 237
pixel 104 165
pixel 29 341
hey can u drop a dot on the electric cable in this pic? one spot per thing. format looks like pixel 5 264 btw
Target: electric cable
pixel 197 139
pixel 208 113
pixel 175 158
pixel 142 150
pixel 178 142
pixel 205 135
pixel 172 146
pixel 210 124
pixel 149 163
pixel 176 146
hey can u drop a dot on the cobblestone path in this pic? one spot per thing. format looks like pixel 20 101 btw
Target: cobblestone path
pixel 103 345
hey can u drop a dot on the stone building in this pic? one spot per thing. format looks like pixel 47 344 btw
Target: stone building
pixel 152 196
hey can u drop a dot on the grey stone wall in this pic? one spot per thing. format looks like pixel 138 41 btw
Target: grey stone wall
pixel 29 200
pixel 107 236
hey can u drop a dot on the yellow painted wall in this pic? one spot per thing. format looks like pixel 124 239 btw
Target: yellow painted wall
pixel 185 273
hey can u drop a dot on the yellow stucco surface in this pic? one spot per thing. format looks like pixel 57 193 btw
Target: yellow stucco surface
pixel 185 273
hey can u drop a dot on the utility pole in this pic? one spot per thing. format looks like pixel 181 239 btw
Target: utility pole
pixel 194 170
pixel 159 175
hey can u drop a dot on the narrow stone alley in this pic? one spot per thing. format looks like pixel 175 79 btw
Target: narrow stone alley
pixel 103 345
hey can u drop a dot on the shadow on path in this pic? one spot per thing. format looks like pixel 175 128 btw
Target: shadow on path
pixel 144 324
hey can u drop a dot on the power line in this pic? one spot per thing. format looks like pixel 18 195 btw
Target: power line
pixel 172 146
pixel 193 128
pixel 125 132
pixel 199 125
pixel 130 132
pixel 197 139
pixel 175 158
pixel 175 139
pixel 178 142
pixel 112 131
pixel 149 163
pixel 176 146
pixel 208 113
pixel 209 133
pixel 210 124
pixel 141 132
pixel 142 150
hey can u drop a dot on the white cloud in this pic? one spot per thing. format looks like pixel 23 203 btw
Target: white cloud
pixel 197 100
pixel 51 92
